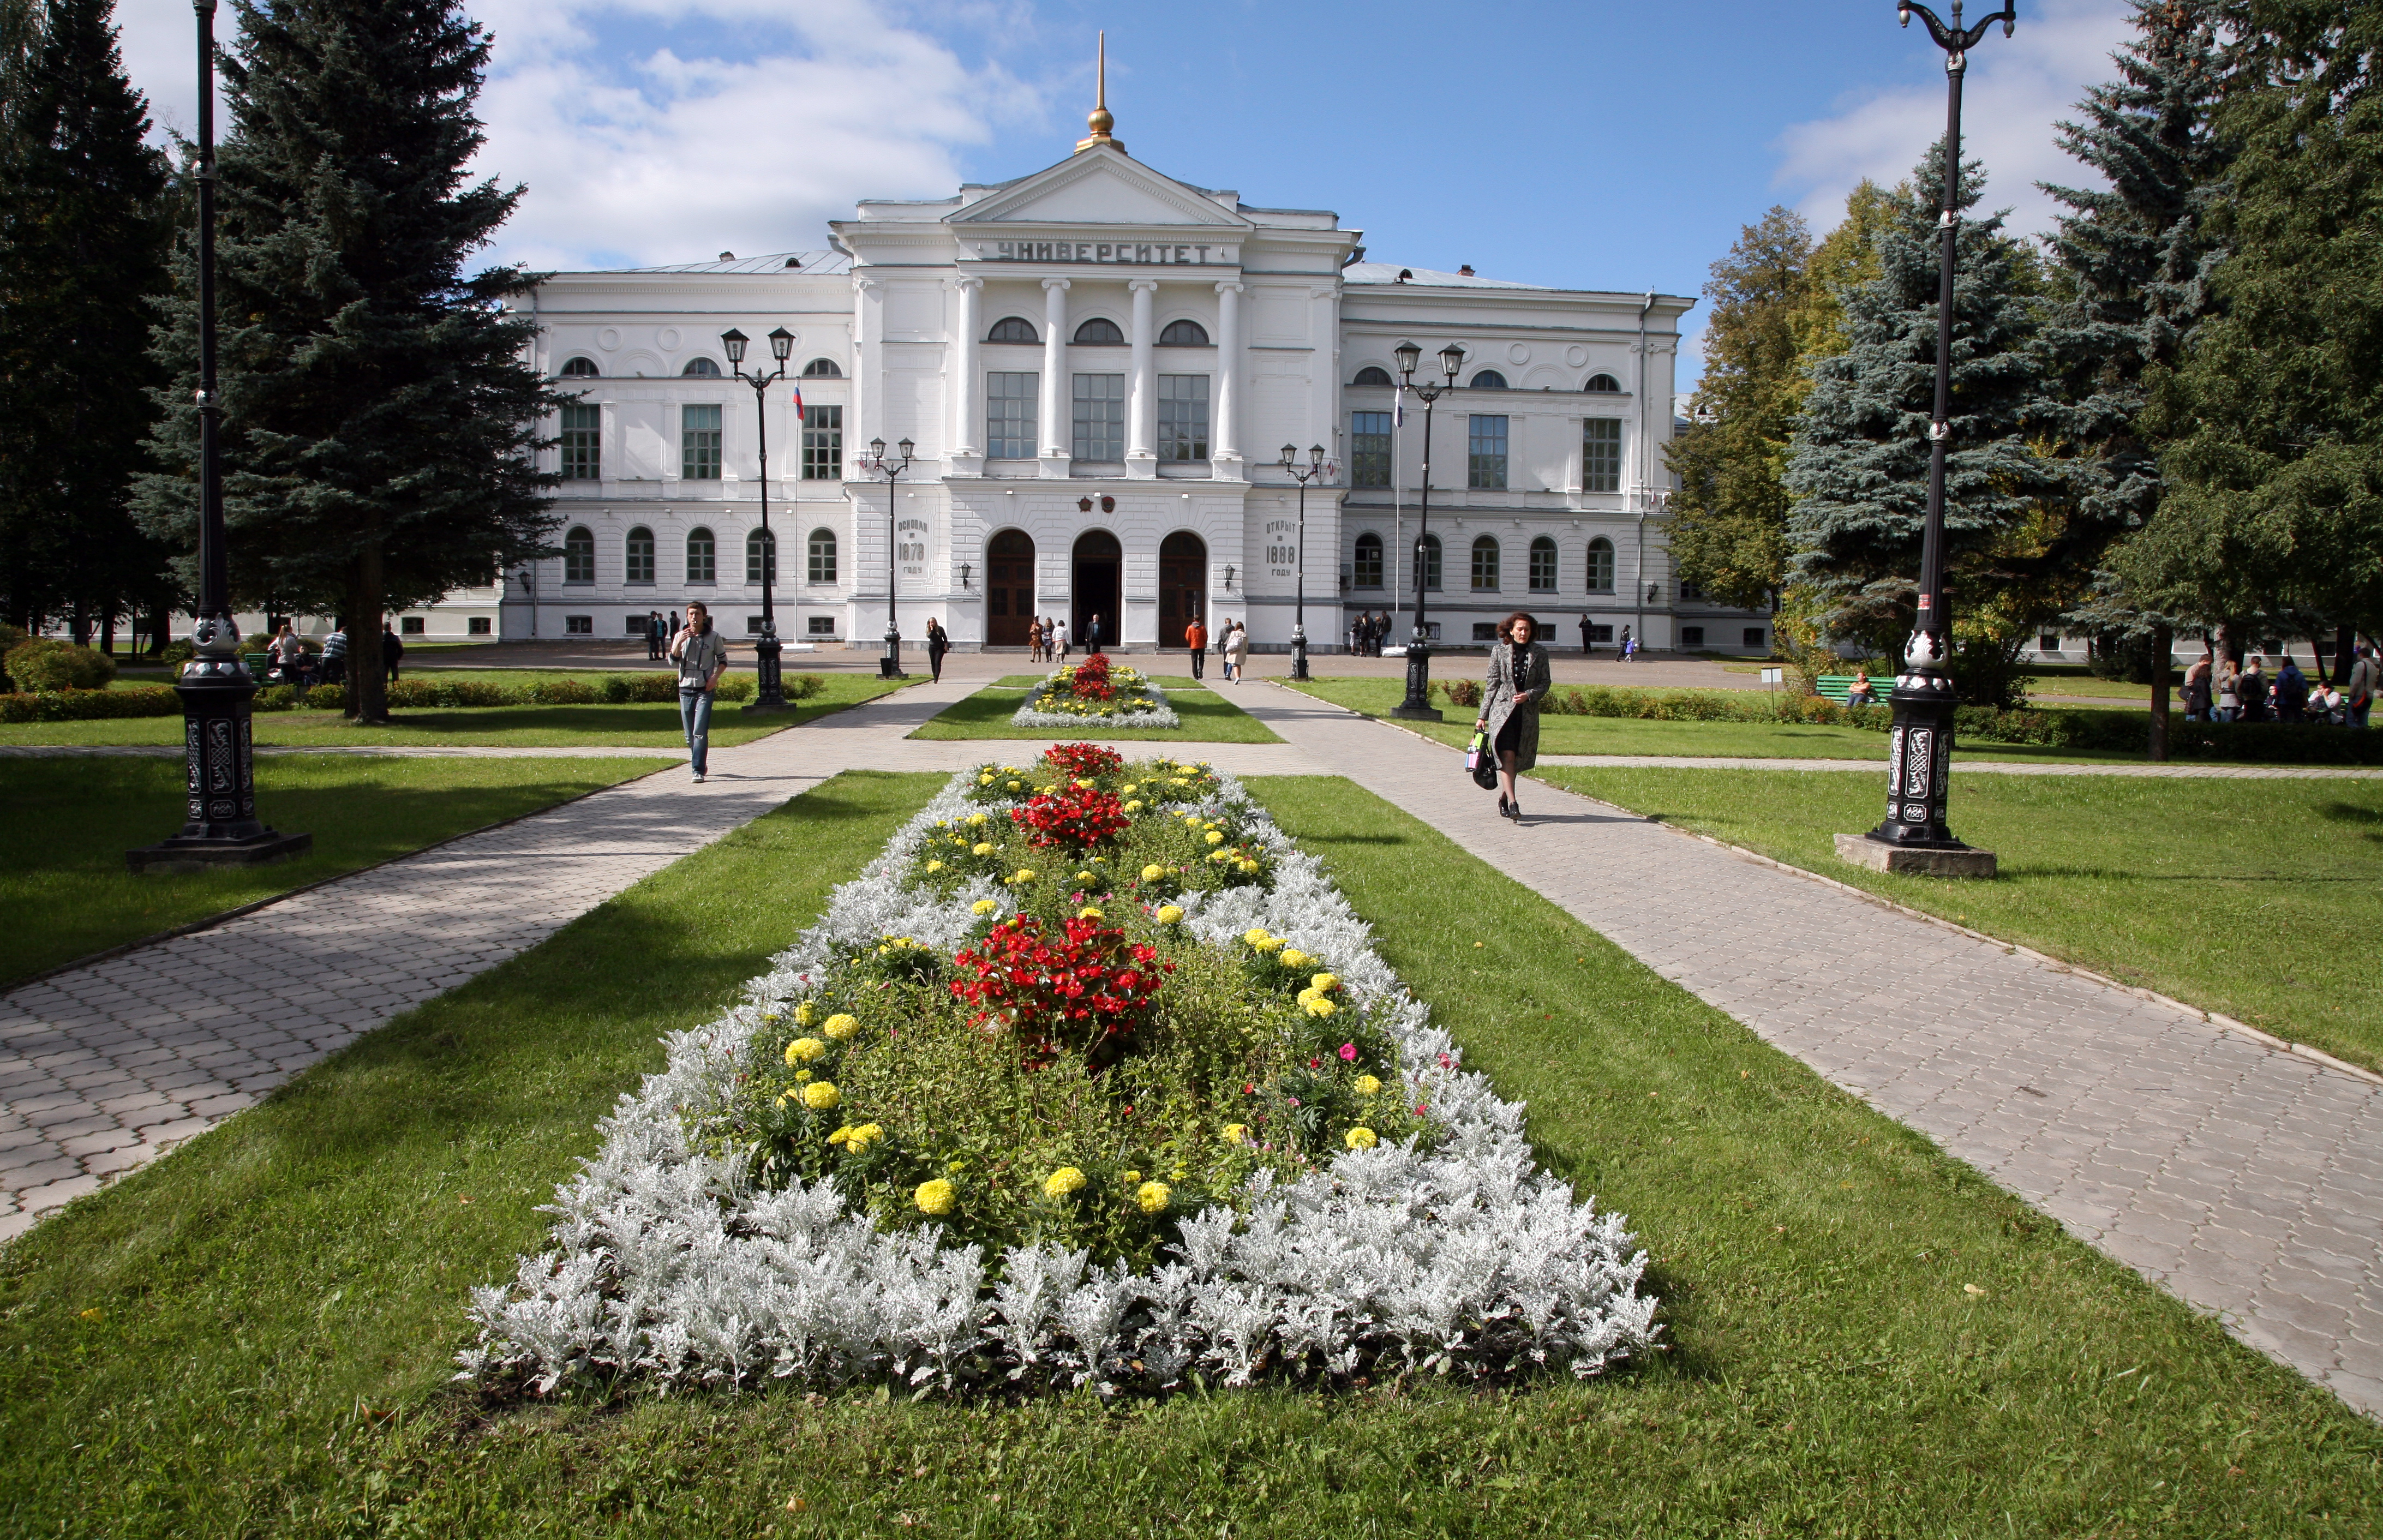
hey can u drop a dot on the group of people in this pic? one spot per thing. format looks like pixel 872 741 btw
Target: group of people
pixel 1233 643
pixel 658 632
pixel 1368 632
pixel 2215 690
pixel 293 662
pixel 1047 640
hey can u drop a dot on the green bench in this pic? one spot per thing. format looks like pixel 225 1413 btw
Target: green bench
pixel 1837 687
pixel 258 662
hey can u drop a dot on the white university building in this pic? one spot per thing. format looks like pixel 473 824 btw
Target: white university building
pixel 1097 367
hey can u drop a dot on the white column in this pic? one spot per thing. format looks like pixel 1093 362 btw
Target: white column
pixel 967 385
pixel 1141 385
pixel 1225 433
pixel 868 327
pixel 1055 422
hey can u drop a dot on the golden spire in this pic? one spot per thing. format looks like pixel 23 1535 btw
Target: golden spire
pixel 1100 120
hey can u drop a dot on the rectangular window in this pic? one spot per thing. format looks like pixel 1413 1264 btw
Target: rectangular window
pixel 1485 453
pixel 1754 636
pixel 702 557
pixel 1692 636
pixel 1182 418
pixel 1600 634
pixel 1600 455
pixel 822 625
pixel 1369 449
pixel 478 626
pixel 1100 417
pixel 579 625
pixel 1369 573
pixel 698 443
pixel 409 625
pixel 582 438
pixel 635 625
pixel 823 443
pixel 752 626
pixel 2047 642
pixel 1543 566
pixel 1009 415
pixel 1485 631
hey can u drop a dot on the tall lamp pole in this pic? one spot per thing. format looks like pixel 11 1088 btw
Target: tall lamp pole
pixel 889 666
pixel 220 825
pixel 1417 707
pixel 771 693
pixel 1919 758
pixel 1299 613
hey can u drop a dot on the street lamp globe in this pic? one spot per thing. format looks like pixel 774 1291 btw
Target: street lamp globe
pixel 1315 457
pixel 1452 359
pixel 735 340
pixel 782 343
pixel 877 449
pixel 1409 355
pixel 905 446
pixel 1290 455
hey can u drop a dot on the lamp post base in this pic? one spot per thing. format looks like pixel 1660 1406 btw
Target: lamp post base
pixel 1417 707
pixel 172 856
pixel 1299 654
pixel 890 665
pixel 1868 850
pixel 769 684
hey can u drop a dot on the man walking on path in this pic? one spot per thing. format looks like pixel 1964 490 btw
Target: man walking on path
pixel 702 657
pixel 1195 641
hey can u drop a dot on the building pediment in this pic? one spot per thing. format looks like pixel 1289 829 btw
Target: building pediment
pixel 1100 186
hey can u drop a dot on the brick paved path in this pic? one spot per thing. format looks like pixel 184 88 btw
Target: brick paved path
pixel 2243 1178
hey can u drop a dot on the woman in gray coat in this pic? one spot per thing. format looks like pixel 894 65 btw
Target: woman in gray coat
pixel 1518 681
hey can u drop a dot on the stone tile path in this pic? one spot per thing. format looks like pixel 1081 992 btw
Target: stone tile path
pixel 2243 1178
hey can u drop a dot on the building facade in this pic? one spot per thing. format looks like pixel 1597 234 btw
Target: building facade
pixel 1097 369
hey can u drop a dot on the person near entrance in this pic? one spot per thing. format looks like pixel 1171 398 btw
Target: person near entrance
pixel 1093 632
pixel 702 655
pixel 1519 680
pixel 1237 651
pixel 1059 643
pixel 1586 650
pixel 1034 640
pixel 1195 641
pixel 938 642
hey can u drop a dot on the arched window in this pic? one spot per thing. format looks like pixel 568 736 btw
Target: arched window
pixel 700 367
pixel 1369 562
pixel 582 368
pixel 1603 385
pixel 1010 329
pixel 760 549
pixel 1100 331
pixel 641 555
pixel 579 556
pixel 702 557
pixel 822 556
pixel 1488 379
pixel 1543 565
pixel 1601 565
pixel 822 368
pixel 1484 564
pixel 1372 373
pixel 1431 544
pixel 1183 334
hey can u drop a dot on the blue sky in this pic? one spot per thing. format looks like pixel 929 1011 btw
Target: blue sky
pixel 1591 144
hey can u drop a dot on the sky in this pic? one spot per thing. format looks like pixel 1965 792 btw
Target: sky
pixel 1612 144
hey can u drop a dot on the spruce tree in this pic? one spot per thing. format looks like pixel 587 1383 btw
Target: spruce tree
pixel 2273 504
pixel 83 246
pixel 379 412
pixel 1858 467
pixel 1727 527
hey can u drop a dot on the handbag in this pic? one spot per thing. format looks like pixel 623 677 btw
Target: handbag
pixel 1481 762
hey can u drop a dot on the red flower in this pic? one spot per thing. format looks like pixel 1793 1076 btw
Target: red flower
pixel 1083 760
pixel 1078 816
pixel 1078 990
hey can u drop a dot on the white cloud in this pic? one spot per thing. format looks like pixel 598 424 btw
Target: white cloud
pixel 2016 90
pixel 669 130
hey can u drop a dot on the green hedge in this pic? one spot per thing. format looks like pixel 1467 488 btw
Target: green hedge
pixel 159 701
pixel 139 700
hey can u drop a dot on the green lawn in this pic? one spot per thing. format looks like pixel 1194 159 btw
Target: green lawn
pixel 1207 717
pixel 2260 899
pixel 654 726
pixel 252 1335
pixel 62 877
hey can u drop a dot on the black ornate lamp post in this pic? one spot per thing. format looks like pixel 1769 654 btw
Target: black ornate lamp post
pixel 1315 468
pixel 771 694
pixel 1919 757
pixel 220 825
pixel 1417 707
pixel 889 666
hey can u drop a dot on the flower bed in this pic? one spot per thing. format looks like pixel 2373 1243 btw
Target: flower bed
pixel 1090 1078
pixel 1087 696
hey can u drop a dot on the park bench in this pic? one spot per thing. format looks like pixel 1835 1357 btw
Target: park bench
pixel 1837 687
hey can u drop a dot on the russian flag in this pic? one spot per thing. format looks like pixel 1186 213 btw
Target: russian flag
pixel 798 403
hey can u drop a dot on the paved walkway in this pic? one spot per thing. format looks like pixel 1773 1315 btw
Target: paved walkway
pixel 2244 1178
pixel 1968 765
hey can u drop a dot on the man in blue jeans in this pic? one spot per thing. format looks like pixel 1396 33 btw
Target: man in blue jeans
pixel 702 655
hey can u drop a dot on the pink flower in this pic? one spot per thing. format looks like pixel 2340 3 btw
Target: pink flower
pixel 1349 1053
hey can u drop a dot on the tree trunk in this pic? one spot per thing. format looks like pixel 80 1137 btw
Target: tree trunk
pixel 367 676
pixel 2163 642
pixel 2345 650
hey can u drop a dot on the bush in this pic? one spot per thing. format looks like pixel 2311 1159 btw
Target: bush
pixel 326 698
pixel 177 652
pixel 730 689
pixel 47 663
pixel 805 686
pixel 563 692
pixel 276 697
pixel 141 700
pixel 1460 691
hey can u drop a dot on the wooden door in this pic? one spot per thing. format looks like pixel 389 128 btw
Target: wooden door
pixel 1008 588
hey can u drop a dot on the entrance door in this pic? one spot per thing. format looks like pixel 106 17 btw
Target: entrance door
pixel 1098 562
pixel 1182 586
pixel 1008 588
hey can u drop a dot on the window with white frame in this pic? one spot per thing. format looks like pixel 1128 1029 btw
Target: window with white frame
pixel 1100 417
pixel 1601 565
pixel 1543 565
pixel 1369 449
pixel 1600 455
pixel 823 443
pixel 761 557
pixel 699 442
pixel 702 556
pixel 821 556
pixel 639 551
pixel 1484 564
pixel 1429 545
pixel 1369 573
pixel 1485 453
pixel 1009 413
pixel 1182 417
pixel 579 555
pixel 582 440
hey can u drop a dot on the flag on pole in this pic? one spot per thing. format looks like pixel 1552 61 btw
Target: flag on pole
pixel 798 403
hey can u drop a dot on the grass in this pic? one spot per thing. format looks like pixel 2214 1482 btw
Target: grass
pixel 635 726
pixel 274 1304
pixel 2260 899
pixel 62 853
pixel 1207 717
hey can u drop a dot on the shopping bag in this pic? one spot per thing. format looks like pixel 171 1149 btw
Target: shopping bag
pixel 1481 762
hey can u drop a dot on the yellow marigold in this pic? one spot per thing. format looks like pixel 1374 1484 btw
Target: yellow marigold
pixel 1249 866
pixel 984 906
pixel 1151 1196
pixel 1169 914
pixel 841 1027
pixel 1153 872
pixel 979 819
pixel 1135 807
pixel 982 847
pixel 1215 838
pixel 1132 1177
pixel 1318 1005
pixel 1236 1132
pixel 1368 1085
pixel 1084 785
pixel 1272 943
pixel 1255 937
pixel 1064 1180
pixel 934 866
pixel 1127 789
pixel 1088 912
pixel 1018 786
pixel 860 1139
pixel 821 1095
pixel 802 1074
pixel 1363 1139
pixel 1023 874
pixel 841 1135
pixel 1296 960
pixel 936 1197
pixel 1084 877
pixel 806 1014
pixel 803 1051
pixel 984 779
pixel 1323 983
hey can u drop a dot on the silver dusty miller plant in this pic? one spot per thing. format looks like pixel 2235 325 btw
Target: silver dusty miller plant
pixel 670 1266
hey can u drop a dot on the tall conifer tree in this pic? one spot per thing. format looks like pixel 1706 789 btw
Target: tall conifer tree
pixel 83 246
pixel 1858 468
pixel 378 408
